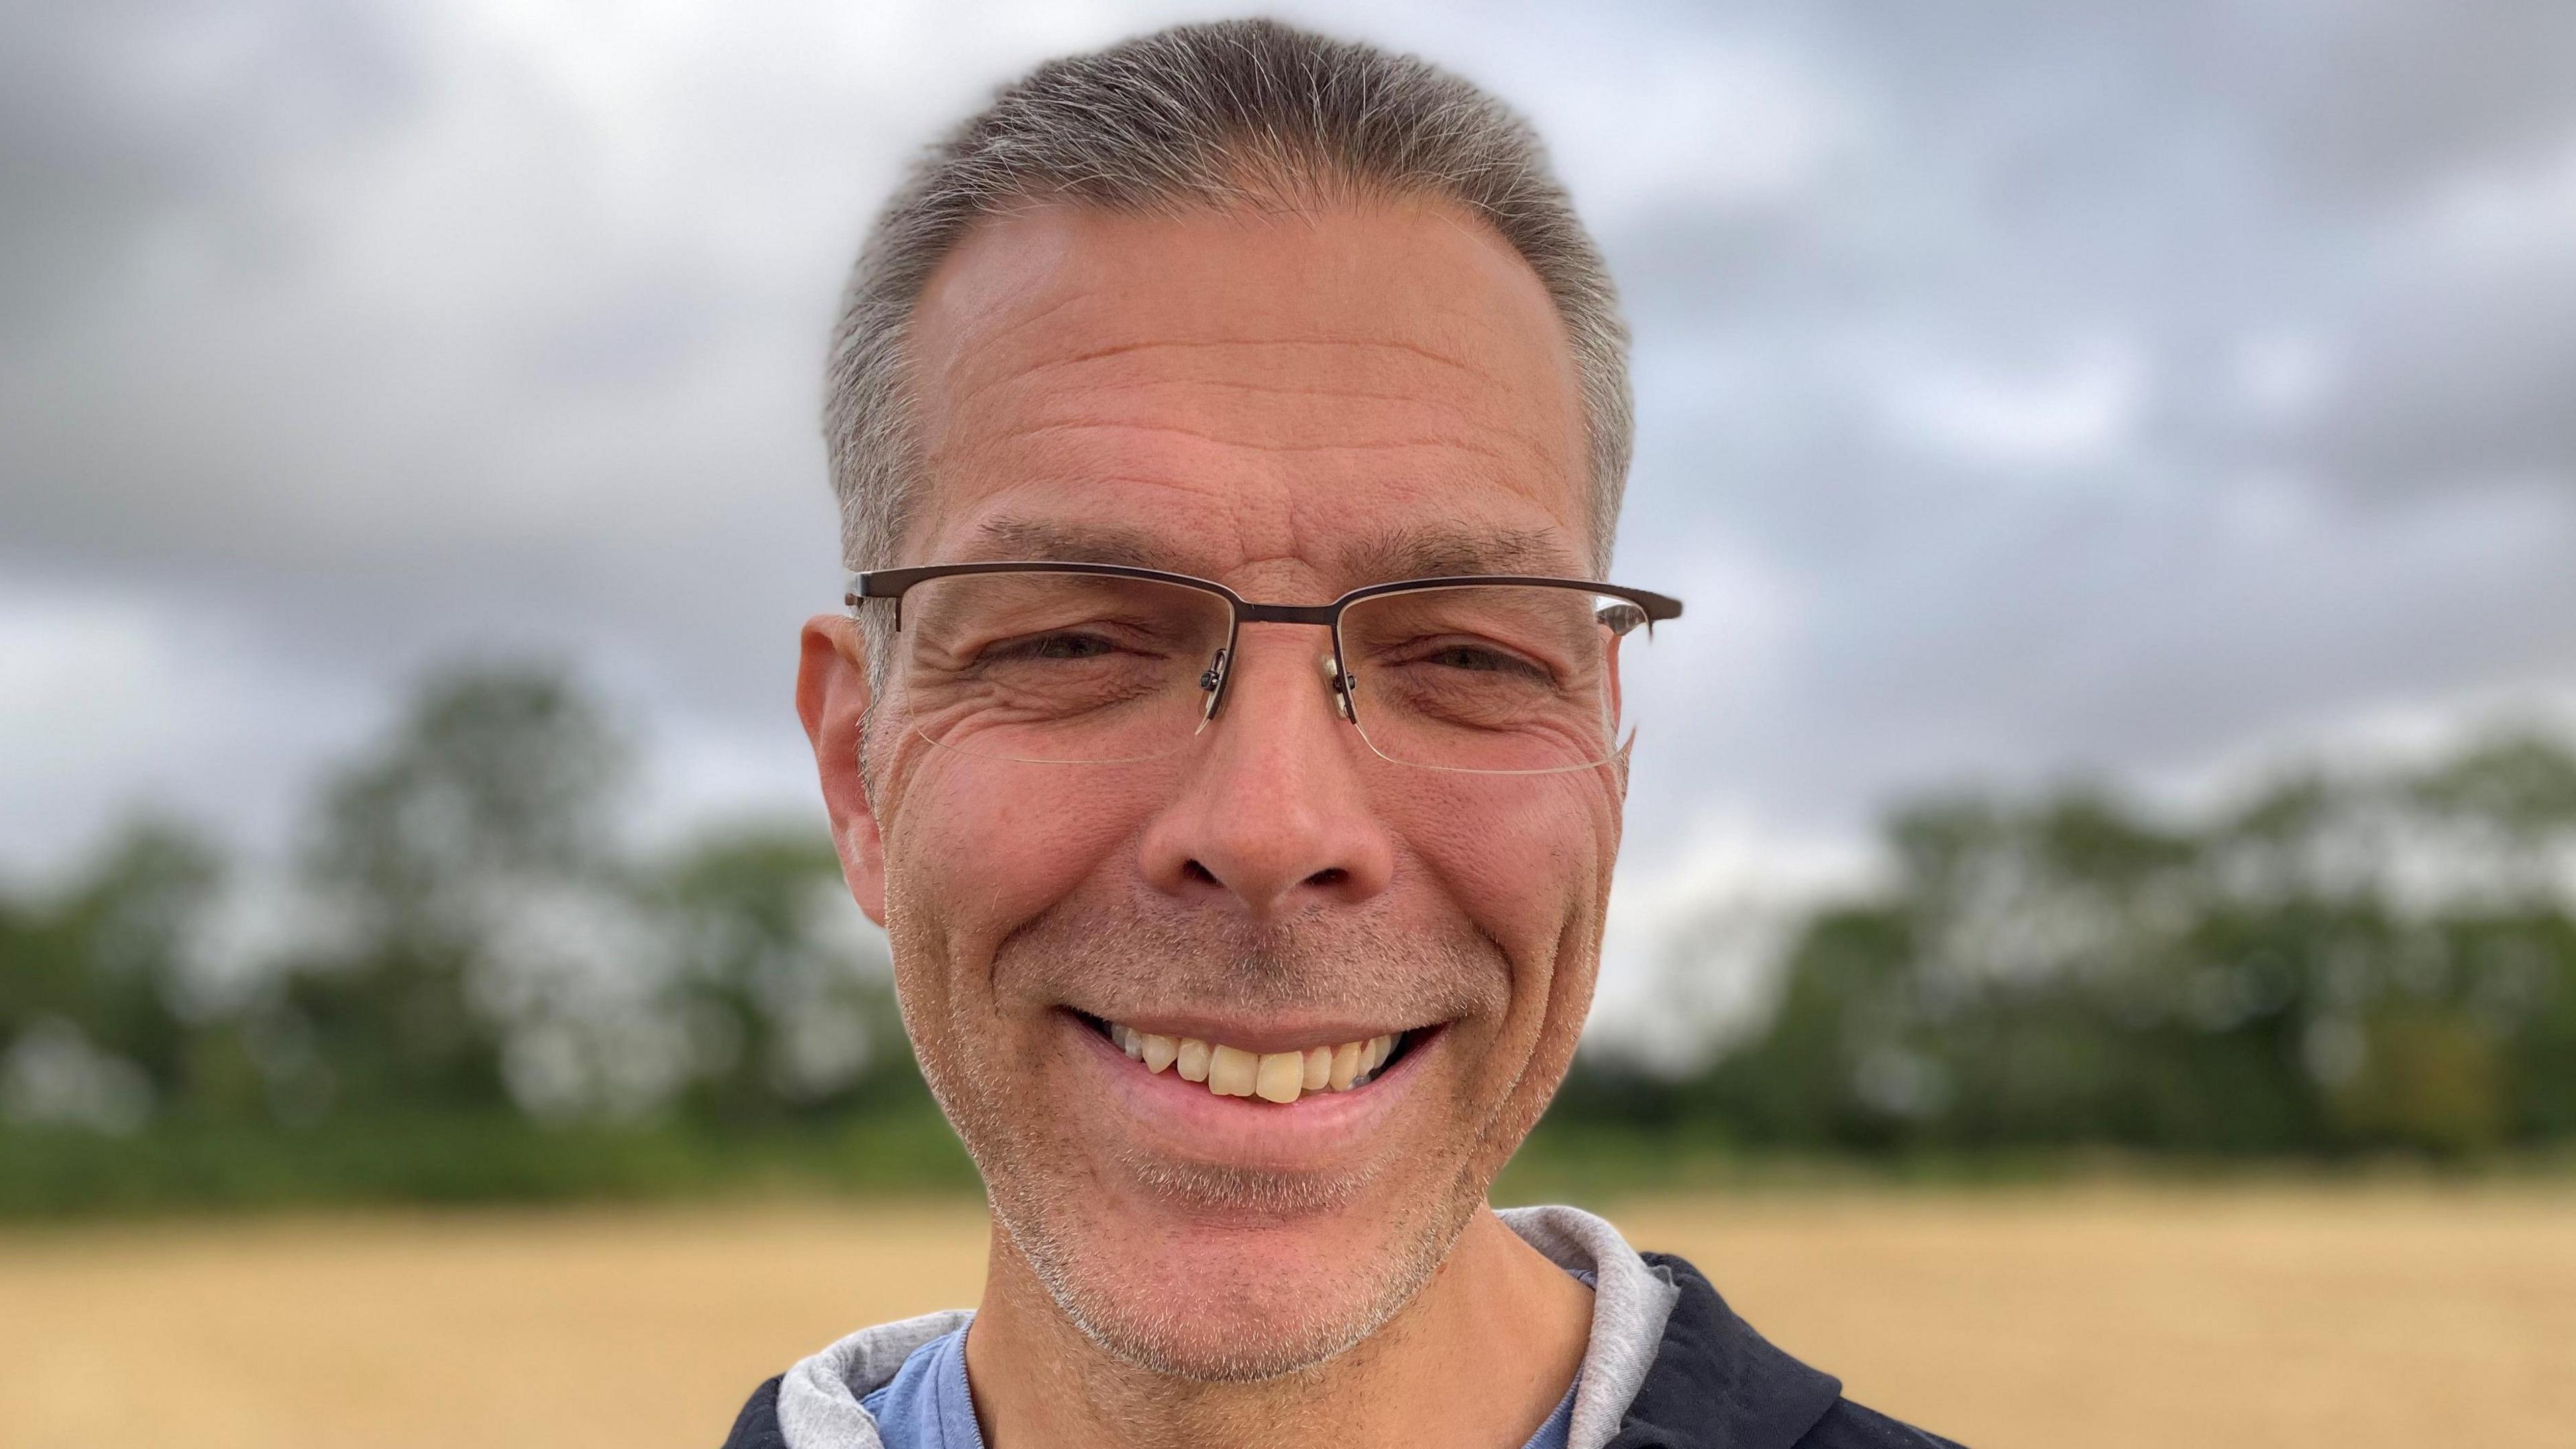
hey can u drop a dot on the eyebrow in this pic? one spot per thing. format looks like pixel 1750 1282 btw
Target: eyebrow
pixel 1448 550
pixel 1051 541
pixel 1416 552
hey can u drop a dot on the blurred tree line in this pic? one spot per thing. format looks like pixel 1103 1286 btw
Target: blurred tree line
pixel 472 982
pixel 468 982
pixel 2339 964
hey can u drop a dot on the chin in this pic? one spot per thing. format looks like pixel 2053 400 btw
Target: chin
pixel 1176 1294
pixel 1238 1312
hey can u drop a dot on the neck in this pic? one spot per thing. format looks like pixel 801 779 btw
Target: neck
pixel 1479 1359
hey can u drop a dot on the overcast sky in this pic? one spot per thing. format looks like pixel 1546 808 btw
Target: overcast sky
pixel 2136 389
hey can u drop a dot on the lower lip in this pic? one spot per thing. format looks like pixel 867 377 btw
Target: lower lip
pixel 1318 1129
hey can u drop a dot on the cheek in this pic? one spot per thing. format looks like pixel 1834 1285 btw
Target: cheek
pixel 979 848
pixel 1527 859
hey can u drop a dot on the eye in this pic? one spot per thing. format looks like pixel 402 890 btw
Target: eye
pixel 1051 647
pixel 1467 656
pixel 1482 657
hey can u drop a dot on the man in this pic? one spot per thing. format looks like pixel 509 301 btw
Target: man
pixel 1231 739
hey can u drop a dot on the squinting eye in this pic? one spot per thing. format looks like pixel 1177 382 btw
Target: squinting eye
pixel 1461 656
pixel 1480 661
pixel 1053 646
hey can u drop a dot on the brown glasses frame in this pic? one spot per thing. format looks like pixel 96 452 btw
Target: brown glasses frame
pixel 892 584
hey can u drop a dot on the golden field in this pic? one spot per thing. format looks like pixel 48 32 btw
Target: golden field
pixel 2119 1317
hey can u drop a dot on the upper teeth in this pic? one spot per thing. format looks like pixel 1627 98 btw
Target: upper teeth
pixel 1272 1076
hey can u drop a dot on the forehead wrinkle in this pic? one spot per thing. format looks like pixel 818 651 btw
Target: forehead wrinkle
pixel 1278 389
pixel 1197 344
pixel 1065 361
pixel 1214 364
pixel 1322 418
pixel 1442 442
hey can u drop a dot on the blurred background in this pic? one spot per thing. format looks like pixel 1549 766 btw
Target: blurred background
pixel 2121 461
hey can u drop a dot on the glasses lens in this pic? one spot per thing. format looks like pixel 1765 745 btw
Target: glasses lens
pixel 1502 678
pixel 1058 667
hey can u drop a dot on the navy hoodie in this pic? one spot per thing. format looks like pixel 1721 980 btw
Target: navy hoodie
pixel 1714 1384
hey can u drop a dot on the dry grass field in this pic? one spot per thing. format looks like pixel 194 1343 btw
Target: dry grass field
pixel 2111 1317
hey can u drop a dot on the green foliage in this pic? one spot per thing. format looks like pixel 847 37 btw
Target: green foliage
pixel 2337 966
pixel 495 790
pixel 784 1024
pixel 484 991
pixel 481 990
pixel 97 973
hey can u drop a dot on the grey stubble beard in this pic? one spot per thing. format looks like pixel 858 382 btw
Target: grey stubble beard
pixel 1037 1190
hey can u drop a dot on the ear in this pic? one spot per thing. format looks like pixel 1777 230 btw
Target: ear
pixel 831 698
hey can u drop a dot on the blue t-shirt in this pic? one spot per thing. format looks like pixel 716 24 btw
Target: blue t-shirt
pixel 926 1404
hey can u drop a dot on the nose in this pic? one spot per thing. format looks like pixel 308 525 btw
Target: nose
pixel 1274 815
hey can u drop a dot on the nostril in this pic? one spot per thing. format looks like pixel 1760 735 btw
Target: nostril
pixel 1199 873
pixel 1333 877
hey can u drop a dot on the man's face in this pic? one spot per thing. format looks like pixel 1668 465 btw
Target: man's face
pixel 1293 405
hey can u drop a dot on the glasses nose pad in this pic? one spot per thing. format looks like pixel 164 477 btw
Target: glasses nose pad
pixel 1342 685
pixel 1212 684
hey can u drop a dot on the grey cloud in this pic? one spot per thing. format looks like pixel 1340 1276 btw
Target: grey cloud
pixel 2458 375
pixel 2380 98
pixel 365 341
pixel 2045 185
pixel 121 122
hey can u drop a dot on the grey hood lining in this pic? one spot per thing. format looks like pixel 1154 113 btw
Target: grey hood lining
pixel 818 1400
pixel 1631 1301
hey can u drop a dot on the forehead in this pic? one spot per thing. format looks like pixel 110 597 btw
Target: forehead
pixel 1322 396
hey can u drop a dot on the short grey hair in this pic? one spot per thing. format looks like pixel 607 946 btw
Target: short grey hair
pixel 1209 115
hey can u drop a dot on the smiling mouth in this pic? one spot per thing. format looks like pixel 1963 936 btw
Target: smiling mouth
pixel 1278 1077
